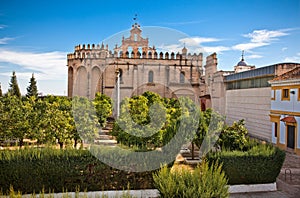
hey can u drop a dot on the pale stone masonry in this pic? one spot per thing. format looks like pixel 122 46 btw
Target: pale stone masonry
pixel 92 68
pixel 240 94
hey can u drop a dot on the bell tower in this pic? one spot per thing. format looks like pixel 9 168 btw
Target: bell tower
pixel 135 41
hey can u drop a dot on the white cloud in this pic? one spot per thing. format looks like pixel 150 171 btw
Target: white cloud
pixel 193 49
pixel 27 75
pixel 259 38
pixel 253 56
pixel 248 46
pixel 47 66
pixel 170 48
pixel 5 39
pixel 193 44
pixel 217 49
pixel 284 48
pixel 196 41
pixel 294 59
pixel 262 36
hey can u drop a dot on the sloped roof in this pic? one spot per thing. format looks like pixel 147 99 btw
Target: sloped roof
pixel 293 74
pixel 289 119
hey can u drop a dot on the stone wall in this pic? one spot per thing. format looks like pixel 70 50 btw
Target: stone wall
pixel 252 105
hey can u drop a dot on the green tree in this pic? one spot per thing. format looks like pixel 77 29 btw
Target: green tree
pixel 3 119
pixel 38 117
pixel 85 119
pixel 150 124
pixel 103 106
pixel 234 137
pixel 14 89
pixel 0 90
pixel 134 126
pixel 16 118
pixel 56 120
pixel 210 126
pixel 32 88
pixel 57 124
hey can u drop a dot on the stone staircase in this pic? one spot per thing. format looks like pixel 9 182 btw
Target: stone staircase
pixel 188 156
pixel 105 137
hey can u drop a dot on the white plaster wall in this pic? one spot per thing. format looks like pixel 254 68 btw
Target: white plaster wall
pixel 274 139
pixel 282 131
pixel 292 105
pixel 298 131
pixel 252 105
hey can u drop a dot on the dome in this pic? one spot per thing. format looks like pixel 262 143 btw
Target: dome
pixel 242 63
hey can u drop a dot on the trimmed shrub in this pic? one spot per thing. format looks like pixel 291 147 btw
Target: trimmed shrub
pixel 32 170
pixel 204 181
pixel 260 164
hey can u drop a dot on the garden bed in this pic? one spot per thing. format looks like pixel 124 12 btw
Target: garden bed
pixel 53 170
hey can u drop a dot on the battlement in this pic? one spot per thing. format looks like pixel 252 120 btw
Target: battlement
pixel 91 47
pixel 97 51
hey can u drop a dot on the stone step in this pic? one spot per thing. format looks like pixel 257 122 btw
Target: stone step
pixel 189 155
pixel 104 133
pixel 106 142
pixel 105 137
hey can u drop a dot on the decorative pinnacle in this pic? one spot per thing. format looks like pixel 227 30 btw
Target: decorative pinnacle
pixel 135 18
pixel 243 55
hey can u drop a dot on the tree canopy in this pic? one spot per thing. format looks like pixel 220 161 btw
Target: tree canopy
pixel 14 89
pixel 0 90
pixel 32 88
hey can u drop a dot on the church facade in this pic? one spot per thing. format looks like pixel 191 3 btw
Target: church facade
pixel 133 68
pixel 139 68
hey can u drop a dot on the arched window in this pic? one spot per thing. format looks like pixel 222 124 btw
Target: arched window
pixel 135 37
pixel 144 54
pixel 182 74
pixel 121 75
pixel 150 77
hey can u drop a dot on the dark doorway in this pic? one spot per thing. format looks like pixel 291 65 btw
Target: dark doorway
pixel 203 106
pixel 291 136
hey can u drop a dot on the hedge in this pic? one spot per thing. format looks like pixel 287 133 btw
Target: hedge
pixel 52 170
pixel 260 164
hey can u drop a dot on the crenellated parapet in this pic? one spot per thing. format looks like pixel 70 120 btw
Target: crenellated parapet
pixel 90 51
pixel 91 68
pixel 133 47
pixel 99 51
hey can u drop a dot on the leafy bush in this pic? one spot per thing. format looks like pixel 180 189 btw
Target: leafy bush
pixel 204 181
pixel 260 164
pixel 103 106
pixel 233 137
pixel 148 121
pixel 32 170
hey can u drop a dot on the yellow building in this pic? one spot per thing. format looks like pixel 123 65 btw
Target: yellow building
pixel 285 110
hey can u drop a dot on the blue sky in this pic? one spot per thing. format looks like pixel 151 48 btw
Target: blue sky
pixel 35 36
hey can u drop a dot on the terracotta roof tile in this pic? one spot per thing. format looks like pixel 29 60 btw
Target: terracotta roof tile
pixel 293 74
pixel 289 119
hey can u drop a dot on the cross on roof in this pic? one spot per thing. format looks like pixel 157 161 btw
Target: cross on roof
pixel 135 17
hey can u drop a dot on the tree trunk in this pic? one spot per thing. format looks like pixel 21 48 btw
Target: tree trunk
pixel 21 142
pixel 193 150
pixel 61 145
pixel 75 143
